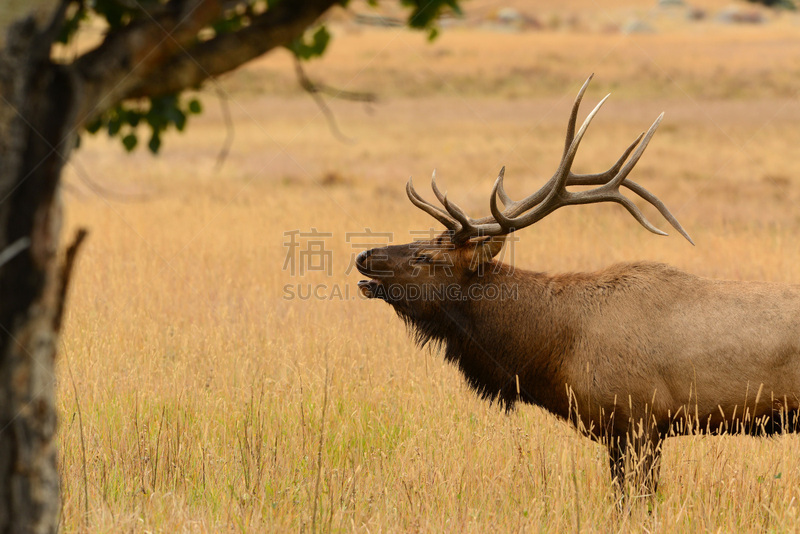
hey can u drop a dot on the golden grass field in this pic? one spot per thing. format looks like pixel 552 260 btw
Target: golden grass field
pixel 207 402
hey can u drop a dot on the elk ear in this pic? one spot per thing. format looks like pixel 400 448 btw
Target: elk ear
pixel 487 248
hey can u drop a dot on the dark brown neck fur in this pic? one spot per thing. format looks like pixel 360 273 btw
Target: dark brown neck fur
pixel 523 334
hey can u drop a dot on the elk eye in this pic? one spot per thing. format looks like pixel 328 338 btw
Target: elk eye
pixel 422 258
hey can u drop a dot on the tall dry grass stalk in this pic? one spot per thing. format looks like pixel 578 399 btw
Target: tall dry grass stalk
pixel 206 398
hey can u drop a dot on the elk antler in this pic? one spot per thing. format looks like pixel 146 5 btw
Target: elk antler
pixel 553 195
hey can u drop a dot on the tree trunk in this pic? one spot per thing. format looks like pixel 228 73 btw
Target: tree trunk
pixel 36 102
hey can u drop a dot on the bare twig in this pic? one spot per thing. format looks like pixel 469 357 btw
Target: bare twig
pixel 66 272
pixel 314 89
pixel 319 450
pixel 317 87
pixel 102 191
pixel 8 253
pixel 577 496
pixel 49 33
pixel 158 446
pixel 229 129
pixel 83 443
pixel 139 443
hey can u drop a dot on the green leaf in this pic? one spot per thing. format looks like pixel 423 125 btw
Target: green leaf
pixel 129 142
pixel 163 112
pixel 71 25
pixel 114 125
pixel 319 42
pixel 133 118
pixel 119 13
pixel 180 120
pixel 321 39
pixel 195 106
pixel 424 13
pixel 94 126
pixel 113 11
pixel 173 115
pixel 155 142
pixel 229 25
pixel 453 4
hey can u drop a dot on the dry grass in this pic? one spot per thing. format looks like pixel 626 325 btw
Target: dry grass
pixel 211 403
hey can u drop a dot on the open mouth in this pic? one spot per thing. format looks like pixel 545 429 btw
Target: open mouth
pixel 372 289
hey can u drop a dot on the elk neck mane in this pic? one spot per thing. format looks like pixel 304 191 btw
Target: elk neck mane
pixel 528 337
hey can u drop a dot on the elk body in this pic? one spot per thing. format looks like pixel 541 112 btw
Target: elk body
pixel 630 354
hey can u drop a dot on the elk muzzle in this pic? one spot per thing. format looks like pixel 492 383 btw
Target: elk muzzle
pixel 371 288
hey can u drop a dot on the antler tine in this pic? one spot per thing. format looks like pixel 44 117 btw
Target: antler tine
pixel 457 213
pixel 573 116
pixel 430 209
pixel 465 222
pixel 599 179
pixel 504 198
pixel 563 171
pixel 436 191
pixel 540 195
pixel 605 176
pixel 454 219
pixel 609 191
pixel 470 227
pixel 613 185
pixel 537 197
pixel 498 216
pixel 467 226
pixel 637 214
pixel 554 188
pixel 511 205
pixel 659 205
pixel 628 167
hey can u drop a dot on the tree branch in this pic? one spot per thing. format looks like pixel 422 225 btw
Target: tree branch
pixel 12 11
pixel 137 52
pixel 188 68
pixel 66 272
pixel 314 89
pixel 231 131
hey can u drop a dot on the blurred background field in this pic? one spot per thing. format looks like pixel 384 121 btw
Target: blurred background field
pixel 210 402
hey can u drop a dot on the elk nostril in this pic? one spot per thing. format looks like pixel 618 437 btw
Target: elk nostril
pixel 363 256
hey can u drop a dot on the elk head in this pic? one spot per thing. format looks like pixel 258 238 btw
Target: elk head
pixel 417 278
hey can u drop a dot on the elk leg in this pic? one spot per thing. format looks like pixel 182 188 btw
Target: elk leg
pixel 617 451
pixel 651 467
pixel 647 464
pixel 642 456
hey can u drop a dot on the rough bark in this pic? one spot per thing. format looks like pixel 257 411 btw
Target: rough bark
pixel 12 10
pixel 34 141
pixel 195 63
pixel 42 107
pixel 162 55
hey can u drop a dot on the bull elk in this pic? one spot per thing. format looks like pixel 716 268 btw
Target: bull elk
pixel 630 354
